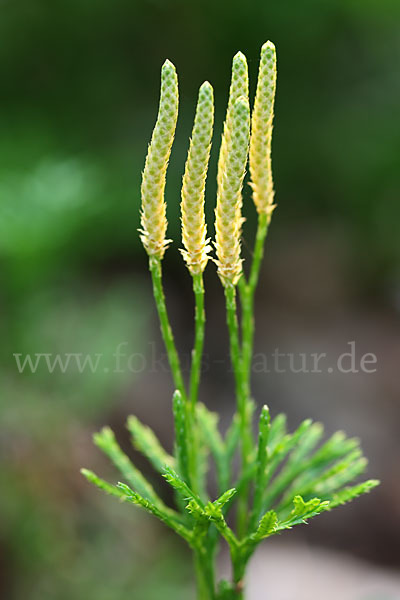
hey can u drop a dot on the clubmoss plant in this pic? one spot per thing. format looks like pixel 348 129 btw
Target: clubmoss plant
pixel 284 478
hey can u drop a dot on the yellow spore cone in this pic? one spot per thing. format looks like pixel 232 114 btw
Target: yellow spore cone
pixel 153 213
pixel 194 231
pixel 239 87
pixel 261 132
pixel 228 220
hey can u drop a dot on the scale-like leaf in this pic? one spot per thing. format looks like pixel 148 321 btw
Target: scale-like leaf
pixel 266 526
pixel 277 431
pixel 167 517
pixel 285 445
pixel 316 467
pixel 145 440
pixel 328 481
pixel 224 498
pixel 262 460
pixel 337 446
pixel 181 434
pixel 232 437
pixel 301 444
pixel 302 511
pixel 182 487
pixel 263 433
pixel 349 493
pixel 110 489
pixel 105 440
pixel 340 475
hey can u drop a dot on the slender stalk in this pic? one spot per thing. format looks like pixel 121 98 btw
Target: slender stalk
pixel 247 292
pixel 204 576
pixel 233 328
pixel 166 331
pixel 198 290
pixel 242 394
pixel 173 358
pixel 239 567
pixel 195 372
pixel 242 365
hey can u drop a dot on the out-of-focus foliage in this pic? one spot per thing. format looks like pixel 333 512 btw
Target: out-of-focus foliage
pixel 47 532
pixel 53 540
pixel 78 336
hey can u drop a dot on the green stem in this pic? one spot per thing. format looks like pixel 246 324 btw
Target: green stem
pixel 242 394
pixel 239 566
pixel 173 358
pixel 198 290
pixel 196 475
pixel 247 292
pixel 204 575
pixel 166 331
pixel 233 328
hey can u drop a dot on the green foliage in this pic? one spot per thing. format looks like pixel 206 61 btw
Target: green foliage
pixel 349 493
pixel 266 526
pixel 102 485
pixel 106 441
pixel 289 496
pixel 167 516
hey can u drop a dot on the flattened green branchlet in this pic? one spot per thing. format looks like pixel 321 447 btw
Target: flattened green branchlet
pixel 261 132
pixel 228 219
pixel 194 231
pixel 153 214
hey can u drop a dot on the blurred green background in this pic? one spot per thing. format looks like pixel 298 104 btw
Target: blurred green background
pixel 79 94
